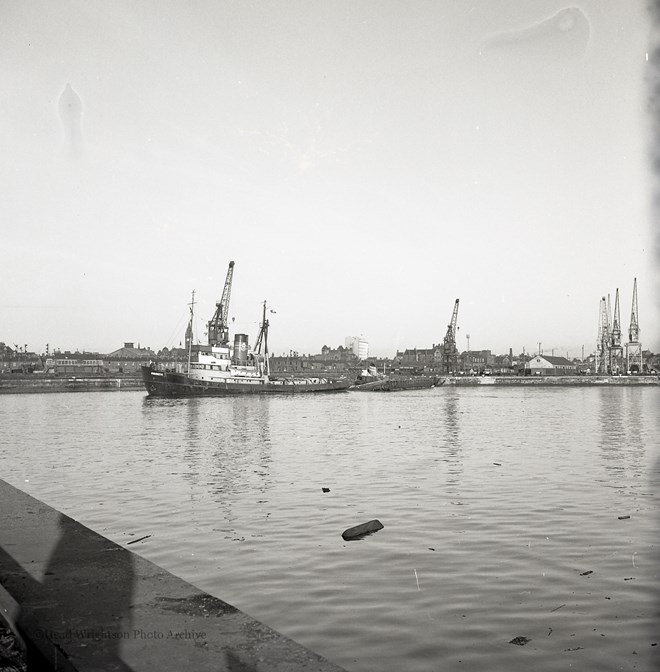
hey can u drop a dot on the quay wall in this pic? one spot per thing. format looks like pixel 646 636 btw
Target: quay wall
pixel 79 602
pixel 535 381
pixel 37 383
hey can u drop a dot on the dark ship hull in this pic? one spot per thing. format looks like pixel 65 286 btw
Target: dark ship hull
pixel 170 384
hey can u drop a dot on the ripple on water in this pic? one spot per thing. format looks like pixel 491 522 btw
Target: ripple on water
pixel 496 506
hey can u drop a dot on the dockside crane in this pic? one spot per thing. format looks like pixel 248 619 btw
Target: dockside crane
pixel 602 344
pixel 449 351
pixel 634 347
pixel 616 349
pixel 218 326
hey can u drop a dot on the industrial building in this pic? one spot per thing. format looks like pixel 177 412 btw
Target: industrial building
pixel 546 365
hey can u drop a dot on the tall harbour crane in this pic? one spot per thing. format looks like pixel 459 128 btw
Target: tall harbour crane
pixel 634 347
pixel 602 345
pixel 633 330
pixel 449 351
pixel 616 350
pixel 218 326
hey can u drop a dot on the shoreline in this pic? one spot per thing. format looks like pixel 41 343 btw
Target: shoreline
pixel 33 385
pixel 551 381
pixel 38 385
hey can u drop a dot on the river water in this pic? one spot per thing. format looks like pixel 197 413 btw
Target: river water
pixel 505 514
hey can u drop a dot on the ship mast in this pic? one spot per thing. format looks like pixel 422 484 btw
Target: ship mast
pixel 262 341
pixel 189 331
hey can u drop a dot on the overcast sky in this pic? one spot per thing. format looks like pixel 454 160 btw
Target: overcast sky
pixel 363 162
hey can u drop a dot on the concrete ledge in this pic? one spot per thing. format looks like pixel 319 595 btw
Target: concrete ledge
pixel 83 603
pixel 548 381
pixel 36 384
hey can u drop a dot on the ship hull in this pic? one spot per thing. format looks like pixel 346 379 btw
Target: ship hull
pixel 170 384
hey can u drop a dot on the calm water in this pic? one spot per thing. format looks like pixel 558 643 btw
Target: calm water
pixel 494 502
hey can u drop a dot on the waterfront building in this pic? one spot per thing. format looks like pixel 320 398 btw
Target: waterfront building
pixel 419 360
pixel 476 361
pixel 19 360
pixel 546 365
pixel 330 360
pixel 75 363
pixel 174 359
pixel 129 359
pixel 358 346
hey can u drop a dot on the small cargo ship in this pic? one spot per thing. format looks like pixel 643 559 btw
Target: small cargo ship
pixel 223 369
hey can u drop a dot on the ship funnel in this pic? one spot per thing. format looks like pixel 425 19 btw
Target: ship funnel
pixel 240 349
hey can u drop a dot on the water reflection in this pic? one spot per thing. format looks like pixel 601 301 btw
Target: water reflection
pixel 240 449
pixel 621 432
pixel 452 436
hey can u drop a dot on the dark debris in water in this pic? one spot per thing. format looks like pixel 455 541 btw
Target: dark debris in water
pixel 363 530
pixel 520 641
pixel 589 571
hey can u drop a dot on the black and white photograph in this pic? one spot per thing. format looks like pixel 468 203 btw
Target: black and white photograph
pixel 330 336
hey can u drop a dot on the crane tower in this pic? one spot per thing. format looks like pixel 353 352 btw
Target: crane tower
pixel 218 326
pixel 616 350
pixel 602 345
pixel 449 351
pixel 634 347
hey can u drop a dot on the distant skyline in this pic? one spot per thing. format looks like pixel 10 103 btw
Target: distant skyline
pixel 364 164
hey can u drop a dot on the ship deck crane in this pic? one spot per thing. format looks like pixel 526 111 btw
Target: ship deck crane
pixel 449 351
pixel 218 326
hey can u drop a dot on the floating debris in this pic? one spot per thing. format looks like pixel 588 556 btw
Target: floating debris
pixel 589 571
pixel 325 489
pixel 575 648
pixel 362 530
pixel 520 641
pixel 557 608
pixel 497 464
pixel 135 541
pixel 624 517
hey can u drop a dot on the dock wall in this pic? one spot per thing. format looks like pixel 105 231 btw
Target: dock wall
pixel 83 603
pixel 557 381
pixel 37 384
